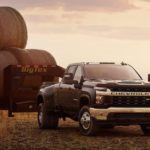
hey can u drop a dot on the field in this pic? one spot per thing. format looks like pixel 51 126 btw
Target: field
pixel 22 133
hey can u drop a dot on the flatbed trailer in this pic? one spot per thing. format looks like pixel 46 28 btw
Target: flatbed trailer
pixel 20 92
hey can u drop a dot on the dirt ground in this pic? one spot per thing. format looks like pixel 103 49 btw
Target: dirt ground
pixel 22 133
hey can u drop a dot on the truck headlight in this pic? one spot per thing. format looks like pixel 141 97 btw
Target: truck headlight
pixel 99 99
pixel 103 96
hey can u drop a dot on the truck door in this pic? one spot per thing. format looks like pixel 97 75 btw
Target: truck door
pixel 65 91
pixel 69 94
pixel 76 91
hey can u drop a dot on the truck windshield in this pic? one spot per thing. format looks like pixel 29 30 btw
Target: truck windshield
pixel 110 72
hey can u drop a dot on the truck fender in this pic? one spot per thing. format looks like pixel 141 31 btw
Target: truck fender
pixel 84 100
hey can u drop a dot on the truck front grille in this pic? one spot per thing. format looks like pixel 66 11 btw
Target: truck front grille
pixel 131 101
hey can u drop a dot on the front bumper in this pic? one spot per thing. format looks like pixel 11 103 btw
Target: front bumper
pixel 103 114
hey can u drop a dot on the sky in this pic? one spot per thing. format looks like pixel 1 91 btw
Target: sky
pixel 89 30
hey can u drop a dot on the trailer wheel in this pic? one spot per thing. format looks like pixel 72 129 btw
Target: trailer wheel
pixel 47 120
pixel 146 129
pixel 87 123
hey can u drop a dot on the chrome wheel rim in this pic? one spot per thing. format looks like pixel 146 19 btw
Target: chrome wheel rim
pixel 85 120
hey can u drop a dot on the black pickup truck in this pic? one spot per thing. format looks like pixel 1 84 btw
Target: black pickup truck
pixel 97 95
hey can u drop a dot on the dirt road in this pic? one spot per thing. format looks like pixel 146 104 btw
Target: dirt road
pixel 22 133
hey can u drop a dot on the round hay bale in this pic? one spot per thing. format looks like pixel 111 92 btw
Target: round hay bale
pixel 41 57
pixel 32 56
pixel 6 59
pixel 13 31
pixel 21 55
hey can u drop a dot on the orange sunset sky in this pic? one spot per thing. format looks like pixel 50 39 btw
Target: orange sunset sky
pixel 89 30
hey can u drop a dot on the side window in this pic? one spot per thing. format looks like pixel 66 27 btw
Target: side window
pixel 71 69
pixel 78 74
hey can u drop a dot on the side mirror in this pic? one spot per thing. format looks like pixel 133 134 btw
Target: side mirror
pixel 76 84
pixel 148 77
pixel 68 78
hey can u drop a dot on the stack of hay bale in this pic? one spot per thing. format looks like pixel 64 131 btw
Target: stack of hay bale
pixel 13 39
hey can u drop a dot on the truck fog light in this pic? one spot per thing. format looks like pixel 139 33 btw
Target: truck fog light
pixel 99 100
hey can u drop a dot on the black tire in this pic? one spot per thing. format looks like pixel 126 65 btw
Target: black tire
pixel 87 123
pixel 47 120
pixel 146 129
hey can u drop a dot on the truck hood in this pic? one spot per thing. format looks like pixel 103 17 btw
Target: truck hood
pixel 117 83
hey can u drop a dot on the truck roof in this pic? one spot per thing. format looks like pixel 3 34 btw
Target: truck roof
pixel 86 63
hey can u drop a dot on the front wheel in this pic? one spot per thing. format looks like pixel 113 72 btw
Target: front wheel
pixel 146 129
pixel 87 123
pixel 47 120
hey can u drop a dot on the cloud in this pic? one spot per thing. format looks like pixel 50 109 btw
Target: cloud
pixel 147 0
pixel 98 5
pixel 100 31
pixel 52 17
pixel 39 18
pixel 72 5
pixel 121 33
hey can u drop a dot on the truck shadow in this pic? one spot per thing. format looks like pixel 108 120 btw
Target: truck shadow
pixel 127 131
pixel 123 131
